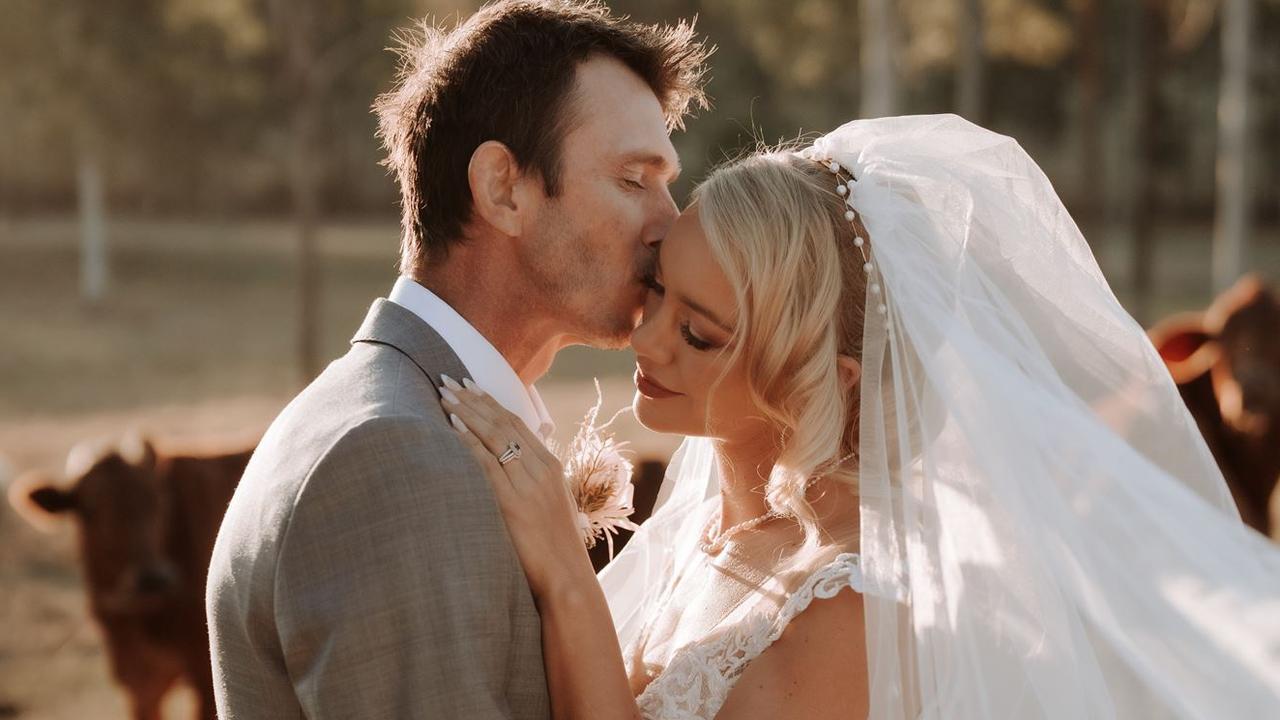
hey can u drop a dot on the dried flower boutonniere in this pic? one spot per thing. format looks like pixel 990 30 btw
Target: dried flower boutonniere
pixel 599 477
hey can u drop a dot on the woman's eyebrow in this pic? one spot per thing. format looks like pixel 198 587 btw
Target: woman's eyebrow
pixel 701 310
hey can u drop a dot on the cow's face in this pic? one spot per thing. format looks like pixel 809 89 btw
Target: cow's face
pixel 120 505
pixel 1246 378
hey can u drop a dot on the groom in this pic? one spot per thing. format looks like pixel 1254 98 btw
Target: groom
pixel 363 569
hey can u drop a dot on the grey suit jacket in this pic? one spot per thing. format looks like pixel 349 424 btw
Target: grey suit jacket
pixel 363 569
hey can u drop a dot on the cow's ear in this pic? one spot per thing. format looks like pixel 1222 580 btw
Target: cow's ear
pixel 38 500
pixel 1178 337
pixel 1178 346
pixel 1185 346
pixel 52 500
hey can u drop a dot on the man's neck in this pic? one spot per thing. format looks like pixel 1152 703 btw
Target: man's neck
pixel 492 298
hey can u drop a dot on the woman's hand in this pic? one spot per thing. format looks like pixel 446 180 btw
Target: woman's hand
pixel 531 491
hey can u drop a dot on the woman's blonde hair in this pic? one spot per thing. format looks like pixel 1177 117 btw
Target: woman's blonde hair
pixel 777 227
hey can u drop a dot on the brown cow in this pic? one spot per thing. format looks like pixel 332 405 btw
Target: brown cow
pixel 1226 363
pixel 147 523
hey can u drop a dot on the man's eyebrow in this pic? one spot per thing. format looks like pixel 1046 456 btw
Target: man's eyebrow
pixel 694 306
pixel 649 158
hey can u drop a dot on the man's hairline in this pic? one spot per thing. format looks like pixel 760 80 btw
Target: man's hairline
pixel 573 118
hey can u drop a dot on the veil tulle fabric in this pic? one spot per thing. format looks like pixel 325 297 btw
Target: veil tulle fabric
pixel 1044 533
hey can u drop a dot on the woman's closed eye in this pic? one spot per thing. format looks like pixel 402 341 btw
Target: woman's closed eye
pixel 650 280
pixel 693 340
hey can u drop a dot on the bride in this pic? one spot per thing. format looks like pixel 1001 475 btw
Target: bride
pixel 933 469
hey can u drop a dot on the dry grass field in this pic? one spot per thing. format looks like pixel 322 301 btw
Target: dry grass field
pixel 195 344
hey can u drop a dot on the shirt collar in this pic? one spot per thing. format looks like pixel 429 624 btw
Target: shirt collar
pixel 488 368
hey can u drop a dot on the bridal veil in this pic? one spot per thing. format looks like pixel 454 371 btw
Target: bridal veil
pixel 1043 532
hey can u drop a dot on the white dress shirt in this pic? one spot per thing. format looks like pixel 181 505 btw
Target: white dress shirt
pixel 486 365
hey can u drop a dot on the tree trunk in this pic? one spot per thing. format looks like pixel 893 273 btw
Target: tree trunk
pixel 971 62
pixel 306 210
pixel 297 22
pixel 879 58
pixel 1152 37
pixel 1089 86
pixel 93 228
pixel 1234 193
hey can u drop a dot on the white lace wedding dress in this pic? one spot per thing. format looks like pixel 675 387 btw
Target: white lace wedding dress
pixel 698 676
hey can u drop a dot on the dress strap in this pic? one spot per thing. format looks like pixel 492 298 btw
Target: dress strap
pixel 844 571
pixel 712 665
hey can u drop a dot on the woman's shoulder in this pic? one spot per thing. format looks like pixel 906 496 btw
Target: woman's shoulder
pixel 825 630
pixel 815 665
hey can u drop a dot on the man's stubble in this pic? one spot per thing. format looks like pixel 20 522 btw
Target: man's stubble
pixel 571 278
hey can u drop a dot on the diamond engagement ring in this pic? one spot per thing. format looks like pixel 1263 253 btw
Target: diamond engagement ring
pixel 511 453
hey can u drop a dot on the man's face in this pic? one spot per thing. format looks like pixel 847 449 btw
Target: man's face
pixel 591 244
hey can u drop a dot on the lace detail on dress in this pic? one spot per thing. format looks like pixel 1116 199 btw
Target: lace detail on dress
pixel 700 675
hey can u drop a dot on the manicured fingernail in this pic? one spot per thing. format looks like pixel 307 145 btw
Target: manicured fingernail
pixel 448 396
pixel 457 423
pixel 472 386
pixel 450 383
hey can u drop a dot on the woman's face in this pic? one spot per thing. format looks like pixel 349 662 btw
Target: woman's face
pixel 682 345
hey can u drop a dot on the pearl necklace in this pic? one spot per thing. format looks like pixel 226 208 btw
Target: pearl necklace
pixel 713 545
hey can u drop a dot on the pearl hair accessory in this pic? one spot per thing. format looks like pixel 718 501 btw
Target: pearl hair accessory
pixel 844 188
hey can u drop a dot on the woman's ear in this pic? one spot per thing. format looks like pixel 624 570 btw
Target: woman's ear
pixel 493 174
pixel 850 371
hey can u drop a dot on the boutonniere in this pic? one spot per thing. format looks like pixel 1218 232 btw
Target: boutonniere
pixel 598 472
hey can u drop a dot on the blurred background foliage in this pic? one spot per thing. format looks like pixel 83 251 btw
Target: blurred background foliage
pixel 193 218
pixel 145 142
pixel 188 104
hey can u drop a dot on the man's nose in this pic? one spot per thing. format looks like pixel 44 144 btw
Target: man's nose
pixel 666 214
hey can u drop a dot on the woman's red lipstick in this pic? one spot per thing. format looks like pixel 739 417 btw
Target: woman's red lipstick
pixel 651 389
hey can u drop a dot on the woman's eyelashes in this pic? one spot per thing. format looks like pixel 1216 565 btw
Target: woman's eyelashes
pixel 693 340
pixel 650 280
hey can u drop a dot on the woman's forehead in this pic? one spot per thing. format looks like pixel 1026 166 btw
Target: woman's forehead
pixel 685 246
pixel 690 270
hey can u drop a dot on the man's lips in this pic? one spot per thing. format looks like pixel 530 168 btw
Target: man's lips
pixel 651 389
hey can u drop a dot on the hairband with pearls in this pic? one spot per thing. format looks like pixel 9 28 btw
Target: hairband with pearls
pixel 844 188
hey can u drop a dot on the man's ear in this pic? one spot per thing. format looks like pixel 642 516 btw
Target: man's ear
pixel 494 176
pixel 850 371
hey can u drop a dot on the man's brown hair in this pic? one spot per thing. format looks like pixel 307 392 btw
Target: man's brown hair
pixel 507 74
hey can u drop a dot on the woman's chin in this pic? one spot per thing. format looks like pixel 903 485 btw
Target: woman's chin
pixel 650 414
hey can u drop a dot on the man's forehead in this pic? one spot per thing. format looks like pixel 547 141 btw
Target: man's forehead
pixel 640 133
pixel 616 110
